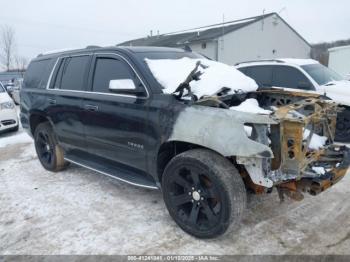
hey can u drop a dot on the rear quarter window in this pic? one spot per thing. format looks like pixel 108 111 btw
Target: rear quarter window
pixel 38 73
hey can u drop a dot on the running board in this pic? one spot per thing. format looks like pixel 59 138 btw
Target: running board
pixel 126 176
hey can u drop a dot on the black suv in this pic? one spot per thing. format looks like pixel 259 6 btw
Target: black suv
pixel 103 109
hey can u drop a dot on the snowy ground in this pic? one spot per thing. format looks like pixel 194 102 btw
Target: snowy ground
pixel 80 212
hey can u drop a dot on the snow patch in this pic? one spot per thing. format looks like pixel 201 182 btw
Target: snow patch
pixel 298 61
pixel 316 141
pixel 251 105
pixel 170 73
pixel 339 91
pixel 19 138
pixel 248 130
pixel 319 170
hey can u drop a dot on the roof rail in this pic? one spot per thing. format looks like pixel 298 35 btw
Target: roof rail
pixel 67 49
pixel 261 60
pixel 92 46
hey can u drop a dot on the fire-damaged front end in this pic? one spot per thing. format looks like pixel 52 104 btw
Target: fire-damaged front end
pixel 292 148
pixel 306 159
pixel 275 138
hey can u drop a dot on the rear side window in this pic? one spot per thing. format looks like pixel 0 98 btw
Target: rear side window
pixel 290 77
pixel 38 73
pixel 73 73
pixel 261 74
pixel 107 69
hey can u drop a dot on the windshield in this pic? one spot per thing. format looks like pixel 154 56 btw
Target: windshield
pixel 321 74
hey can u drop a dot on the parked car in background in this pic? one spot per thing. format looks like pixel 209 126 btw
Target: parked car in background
pixel 164 118
pixel 304 75
pixel 13 88
pixel 8 114
pixel 17 85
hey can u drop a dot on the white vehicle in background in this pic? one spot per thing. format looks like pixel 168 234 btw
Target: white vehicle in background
pixel 8 114
pixel 304 75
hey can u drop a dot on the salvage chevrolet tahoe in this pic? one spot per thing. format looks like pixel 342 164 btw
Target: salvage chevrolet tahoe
pixel 150 117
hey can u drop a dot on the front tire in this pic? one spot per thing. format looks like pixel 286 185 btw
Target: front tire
pixel 204 193
pixel 49 152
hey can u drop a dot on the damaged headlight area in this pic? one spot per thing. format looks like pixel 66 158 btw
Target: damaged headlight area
pixel 7 105
pixel 305 156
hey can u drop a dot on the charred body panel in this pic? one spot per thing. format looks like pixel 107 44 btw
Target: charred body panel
pixel 220 130
pixel 278 152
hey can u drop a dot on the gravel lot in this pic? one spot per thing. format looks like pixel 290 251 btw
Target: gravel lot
pixel 81 212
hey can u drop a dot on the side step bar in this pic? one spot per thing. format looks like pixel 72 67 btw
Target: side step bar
pixel 127 177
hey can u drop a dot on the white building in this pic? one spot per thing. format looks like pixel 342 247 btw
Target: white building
pixel 261 37
pixel 339 60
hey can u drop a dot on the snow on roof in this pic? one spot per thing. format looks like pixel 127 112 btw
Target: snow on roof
pixel 298 61
pixel 338 48
pixel 200 29
pixel 170 73
pixel 294 61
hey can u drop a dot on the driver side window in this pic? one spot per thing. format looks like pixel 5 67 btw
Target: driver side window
pixel 113 73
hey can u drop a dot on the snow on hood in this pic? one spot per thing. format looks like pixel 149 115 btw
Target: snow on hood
pixel 251 105
pixel 339 91
pixel 170 73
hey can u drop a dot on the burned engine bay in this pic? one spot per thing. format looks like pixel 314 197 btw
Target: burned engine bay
pixel 297 165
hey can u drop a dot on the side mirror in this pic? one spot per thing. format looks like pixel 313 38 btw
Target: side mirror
pixel 305 85
pixel 122 85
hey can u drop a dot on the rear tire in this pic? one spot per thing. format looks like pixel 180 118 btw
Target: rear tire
pixel 204 193
pixel 49 152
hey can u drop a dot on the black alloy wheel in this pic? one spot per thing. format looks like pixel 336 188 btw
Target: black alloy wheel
pixel 49 152
pixel 203 192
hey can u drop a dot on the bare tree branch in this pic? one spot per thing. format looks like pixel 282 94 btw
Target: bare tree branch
pixel 7 46
pixel 21 64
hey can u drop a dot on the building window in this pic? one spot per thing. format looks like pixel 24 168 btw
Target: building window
pixel 204 45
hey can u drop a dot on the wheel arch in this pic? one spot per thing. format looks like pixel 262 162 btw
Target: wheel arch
pixel 168 150
pixel 36 118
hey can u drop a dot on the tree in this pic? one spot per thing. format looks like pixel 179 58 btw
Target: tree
pixel 21 64
pixel 7 46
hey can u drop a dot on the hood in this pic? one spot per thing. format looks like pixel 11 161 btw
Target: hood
pixel 339 91
pixel 4 97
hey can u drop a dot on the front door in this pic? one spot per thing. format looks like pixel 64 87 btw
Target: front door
pixel 116 121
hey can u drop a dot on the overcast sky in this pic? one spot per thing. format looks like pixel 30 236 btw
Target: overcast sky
pixel 42 25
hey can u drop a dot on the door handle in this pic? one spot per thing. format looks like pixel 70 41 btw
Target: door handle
pixel 52 101
pixel 91 107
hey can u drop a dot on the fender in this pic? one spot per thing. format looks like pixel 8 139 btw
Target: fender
pixel 221 130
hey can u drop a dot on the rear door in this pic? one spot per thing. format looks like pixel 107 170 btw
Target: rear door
pixel 116 121
pixel 69 85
